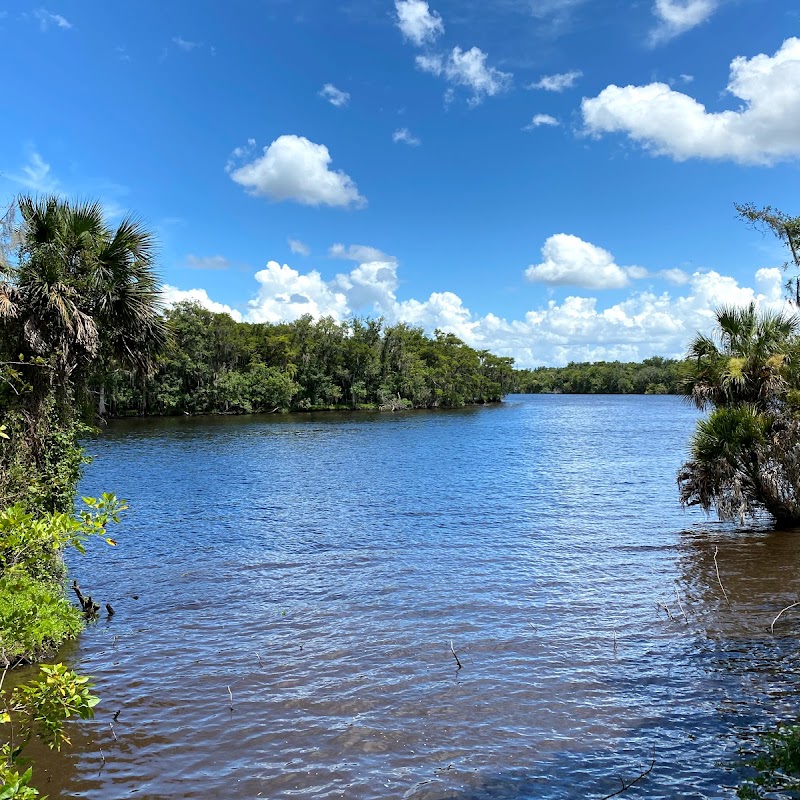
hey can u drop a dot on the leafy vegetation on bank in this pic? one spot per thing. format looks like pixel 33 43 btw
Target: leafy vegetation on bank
pixel 652 376
pixel 74 294
pixel 214 364
pixel 745 456
pixel 777 768
pixel 38 708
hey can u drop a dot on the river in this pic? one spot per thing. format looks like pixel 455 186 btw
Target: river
pixel 288 589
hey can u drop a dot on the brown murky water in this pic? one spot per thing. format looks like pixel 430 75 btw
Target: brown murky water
pixel 320 567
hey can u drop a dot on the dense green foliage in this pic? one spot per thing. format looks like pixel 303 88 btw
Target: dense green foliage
pixel 777 769
pixel 75 296
pixel 745 456
pixel 217 365
pixel 652 376
pixel 39 708
pixel 35 617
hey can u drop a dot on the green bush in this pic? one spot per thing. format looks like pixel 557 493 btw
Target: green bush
pixel 777 767
pixel 35 617
pixel 39 708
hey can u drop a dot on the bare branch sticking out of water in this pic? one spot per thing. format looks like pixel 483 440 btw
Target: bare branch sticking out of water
pixel 113 732
pixel 453 651
pixel 719 580
pixel 615 641
pixel 659 604
pixel 230 694
pixel 260 662
pixel 772 627
pixel 626 786
pixel 680 605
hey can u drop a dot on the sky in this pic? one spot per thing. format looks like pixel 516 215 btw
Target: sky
pixel 552 180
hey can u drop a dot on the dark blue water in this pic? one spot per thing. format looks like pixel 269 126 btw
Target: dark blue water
pixel 320 567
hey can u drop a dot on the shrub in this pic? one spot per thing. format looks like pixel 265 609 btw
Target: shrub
pixel 35 617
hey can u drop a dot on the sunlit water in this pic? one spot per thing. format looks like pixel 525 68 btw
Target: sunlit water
pixel 320 566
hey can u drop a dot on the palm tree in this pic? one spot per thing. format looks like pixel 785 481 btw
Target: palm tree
pixel 745 457
pixel 80 289
pixel 751 359
pixel 75 293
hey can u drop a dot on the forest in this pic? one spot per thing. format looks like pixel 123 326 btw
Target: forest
pixel 213 364
pixel 652 376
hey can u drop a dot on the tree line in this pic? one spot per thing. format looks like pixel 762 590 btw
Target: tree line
pixel 652 376
pixel 214 364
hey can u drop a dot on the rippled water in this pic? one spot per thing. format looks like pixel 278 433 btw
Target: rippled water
pixel 320 566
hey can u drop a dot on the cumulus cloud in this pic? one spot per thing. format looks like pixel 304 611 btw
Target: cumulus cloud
pixel 557 83
pixel 567 260
pixel 285 294
pixel 763 130
pixel 541 119
pixel 336 97
pixel 294 168
pixel 171 295
pixel 298 247
pixel 49 20
pixel 576 329
pixel 678 16
pixel 417 22
pixel 468 69
pixel 405 136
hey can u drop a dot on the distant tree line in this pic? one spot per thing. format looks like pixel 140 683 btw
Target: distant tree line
pixel 214 365
pixel 652 376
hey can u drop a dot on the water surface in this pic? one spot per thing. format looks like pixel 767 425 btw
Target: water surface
pixel 320 566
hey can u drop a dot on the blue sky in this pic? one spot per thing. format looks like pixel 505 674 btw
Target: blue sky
pixel 549 179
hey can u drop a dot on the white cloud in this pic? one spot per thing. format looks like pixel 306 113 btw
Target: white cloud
pixel 467 68
pixel 285 294
pixel 763 130
pixel 298 247
pixel 417 22
pixel 575 329
pixel 569 261
pixel 405 136
pixel 678 16
pixel 557 83
pixel 171 295
pixel 686 78
pixel 185 44
pixel 358 252
pixel 370 287
pixel 541 119
pixel 207 262
pixel 676 276
pixel 47 20
pixel 336 97
pixel 294 168
pixel 36 175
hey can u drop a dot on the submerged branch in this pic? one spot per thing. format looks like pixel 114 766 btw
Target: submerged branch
pixel 719 580
pixel 453 651
pixel 626 786
pixel 772 627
